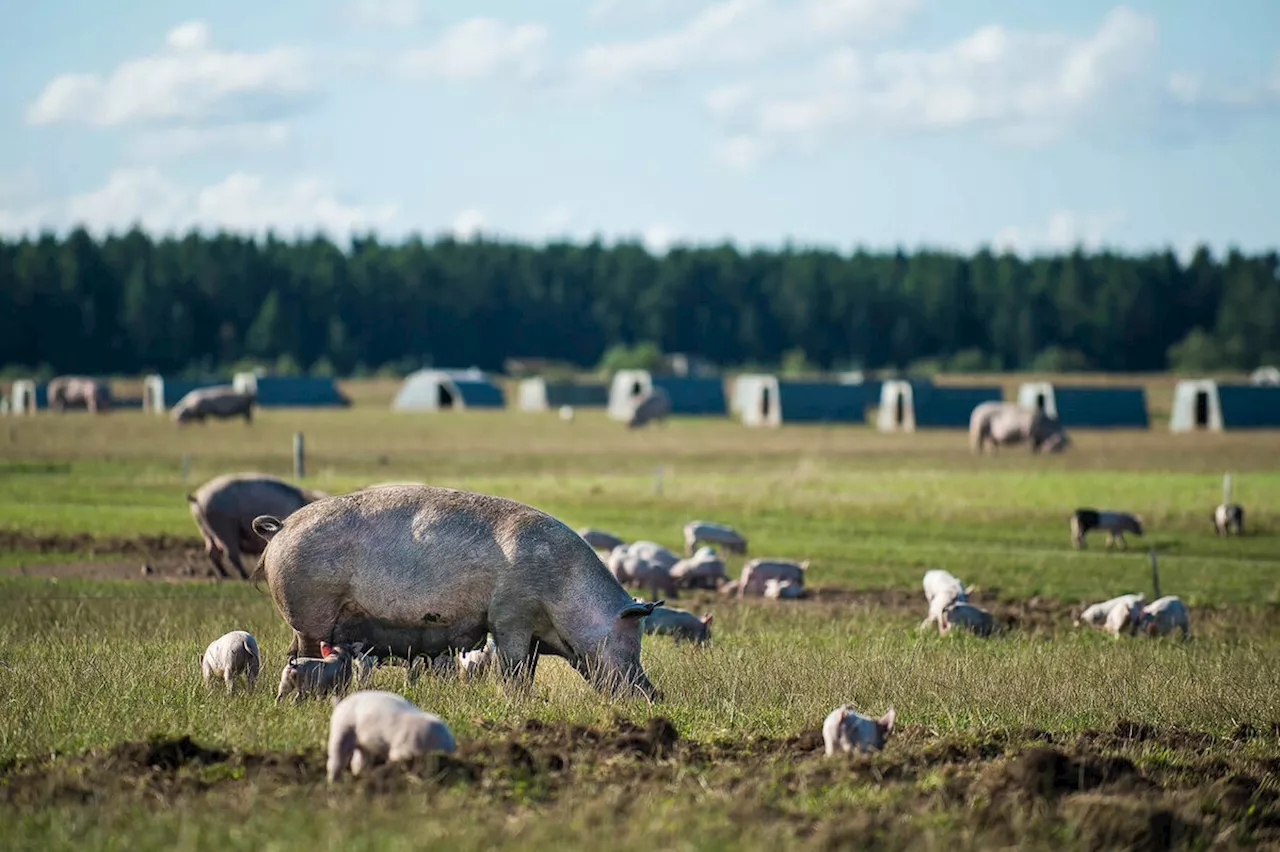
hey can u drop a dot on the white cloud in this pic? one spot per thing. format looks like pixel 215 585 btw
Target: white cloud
pixel 396 14
pixel 241 203
pixel 658 237
pixel 468 223
pixel 186 81
pixel 480 48
pixel 192 35
pixel 175 142
pixel 1064 231
pixel 738 32
pixel 1027 86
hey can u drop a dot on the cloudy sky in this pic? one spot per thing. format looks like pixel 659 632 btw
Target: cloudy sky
pixel 950 123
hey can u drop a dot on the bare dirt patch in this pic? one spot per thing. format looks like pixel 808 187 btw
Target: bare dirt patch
pixel 111 558
pixel 1001 781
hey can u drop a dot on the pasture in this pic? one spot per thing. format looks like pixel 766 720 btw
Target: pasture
pixel 1043 736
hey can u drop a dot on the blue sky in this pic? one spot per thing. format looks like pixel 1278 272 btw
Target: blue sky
pixel 949 123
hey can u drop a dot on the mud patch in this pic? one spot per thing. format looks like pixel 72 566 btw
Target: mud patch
pixel 113 558
pixel 1047 773
pixel 1006 784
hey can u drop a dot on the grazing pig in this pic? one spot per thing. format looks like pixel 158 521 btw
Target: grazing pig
pixel 650 407
pixel 703 570
pixel 1227 518
pixel 599 539
pixel 646 564
pixel 651 575
pixel 706 531
pixel 1161 616
pixel 66 392
pixel 651 551
pixel 1007 424
pixel 1124 617
pixel 220 401
pixel 1116 525
pixel 433 569
pixel 961 614
pixel 847 730
pixel 783 589
pixel 1095 615
pixel 372 727
pixel 225 506
pixel 680 623
pixel 230 656
pixel 758 572
pixel 312 676
pixel 941 589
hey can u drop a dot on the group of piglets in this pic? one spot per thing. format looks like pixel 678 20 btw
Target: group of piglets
pixel 236 654
pixel 650 566
pixel 366 727
pixel 661 570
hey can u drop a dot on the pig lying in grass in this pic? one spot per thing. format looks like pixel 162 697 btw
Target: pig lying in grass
pixel 679 623
pixel 312 676
pixel 846 730
pixel 230 656
pixel 372 727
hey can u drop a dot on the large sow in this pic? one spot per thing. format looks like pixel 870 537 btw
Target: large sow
pixel 415 569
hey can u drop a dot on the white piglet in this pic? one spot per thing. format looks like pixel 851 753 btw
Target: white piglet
pixel 845 729
pixel 372 727
pixel 941 590
pixel 1095 615
pixel 229 656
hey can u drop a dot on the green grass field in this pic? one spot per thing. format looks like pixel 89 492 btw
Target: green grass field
pixel 1044 736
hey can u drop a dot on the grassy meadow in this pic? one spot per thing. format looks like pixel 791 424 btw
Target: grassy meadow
pixel 1044 736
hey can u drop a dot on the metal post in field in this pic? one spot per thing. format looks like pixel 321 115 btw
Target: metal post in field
pixel 657 481
pixel 299 468
pixel 186 465
pixel 1226 488
pixel 1155 574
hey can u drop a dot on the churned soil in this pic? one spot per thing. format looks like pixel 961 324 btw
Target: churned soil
pixel 1093 783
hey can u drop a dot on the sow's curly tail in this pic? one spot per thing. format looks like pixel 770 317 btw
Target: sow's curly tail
pixel 266 527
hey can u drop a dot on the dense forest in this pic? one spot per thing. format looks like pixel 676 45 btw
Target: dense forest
pixel 130 303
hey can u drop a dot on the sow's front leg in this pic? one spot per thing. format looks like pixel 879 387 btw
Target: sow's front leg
pixel 517 657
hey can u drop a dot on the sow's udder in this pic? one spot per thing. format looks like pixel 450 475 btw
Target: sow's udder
pixel 390 638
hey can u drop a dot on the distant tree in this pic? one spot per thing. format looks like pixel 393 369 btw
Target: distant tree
pixel 642 356
pixel 1059 359
pixel 199 304
pixel 1197 352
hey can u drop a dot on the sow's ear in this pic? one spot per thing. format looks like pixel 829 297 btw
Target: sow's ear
pixel 886 721
pixel 639 610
